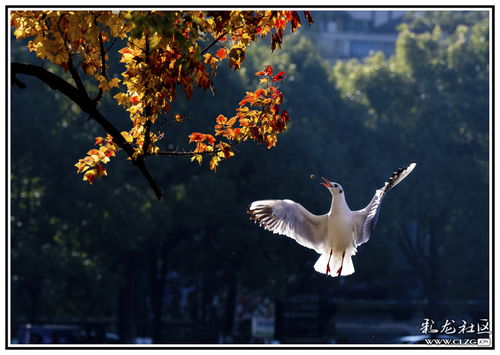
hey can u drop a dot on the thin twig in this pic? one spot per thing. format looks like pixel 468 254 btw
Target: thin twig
pixel 213 43
pixel 103 66
pixel 72 69
pixel 204 50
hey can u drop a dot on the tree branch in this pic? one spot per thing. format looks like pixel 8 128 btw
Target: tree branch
pixel 177 152
pixel 88 106
pixel 76 77
pixel 213 43
pixel 103 67
pixel 220 37
pixel 147 138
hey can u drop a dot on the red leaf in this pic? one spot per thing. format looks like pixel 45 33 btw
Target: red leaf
pixel 210 139
pixel 295 20
pixel 227 152
pixel 308 16
pixel 280 23
pixel 284 116
pixel 278 76
pixel 221 53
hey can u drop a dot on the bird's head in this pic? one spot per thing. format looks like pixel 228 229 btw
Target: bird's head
pixel 333 187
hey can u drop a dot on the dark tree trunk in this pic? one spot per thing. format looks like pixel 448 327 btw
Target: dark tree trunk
pixel 230 304
pixel 127 300
pixel 433 283
pixel 158 272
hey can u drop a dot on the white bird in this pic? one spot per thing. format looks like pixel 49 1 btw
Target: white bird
pixel 335 235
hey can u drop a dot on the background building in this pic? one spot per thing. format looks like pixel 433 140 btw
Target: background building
pixel 354 34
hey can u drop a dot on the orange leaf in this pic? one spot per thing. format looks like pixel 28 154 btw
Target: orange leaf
pixel 259 92
pixel 210 139
pixel 90 176
pixel 221 53
pixel 200 147
pixel 221 119
pixel 280 23
pixel 196 137
pixel 231 121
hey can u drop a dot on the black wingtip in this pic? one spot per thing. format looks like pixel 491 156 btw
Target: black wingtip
pixel 399 175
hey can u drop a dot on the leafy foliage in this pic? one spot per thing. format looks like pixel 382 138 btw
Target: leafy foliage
pixel 164 51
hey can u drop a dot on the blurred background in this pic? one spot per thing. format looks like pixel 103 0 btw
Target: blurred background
pixel 367 93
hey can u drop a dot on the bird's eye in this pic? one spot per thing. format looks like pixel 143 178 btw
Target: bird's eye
pixel 340 191
pixel 335 185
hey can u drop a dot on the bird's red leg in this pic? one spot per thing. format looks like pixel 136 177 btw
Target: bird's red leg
pixel 342 263
pixel 328 264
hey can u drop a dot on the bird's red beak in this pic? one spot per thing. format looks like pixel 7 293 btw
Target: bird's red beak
pixel 326 183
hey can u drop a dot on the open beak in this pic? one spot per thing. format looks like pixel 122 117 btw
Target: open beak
pixel 326 183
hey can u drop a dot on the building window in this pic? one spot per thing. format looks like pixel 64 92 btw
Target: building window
pixel 361 49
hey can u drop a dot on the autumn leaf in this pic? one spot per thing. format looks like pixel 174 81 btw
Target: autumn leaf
pixel 134 99
pixel 197 157
pixel 221 119
pixel 308 17
pixel 278 76
pixel 113 83
pixel 221 53
pixel 90 176
pixel 214 162
pixel 231 121
pixel 122 98
pixel 196 137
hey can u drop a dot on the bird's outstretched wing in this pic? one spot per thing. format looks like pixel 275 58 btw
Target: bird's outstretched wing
pixel 291 219
pixel 365 220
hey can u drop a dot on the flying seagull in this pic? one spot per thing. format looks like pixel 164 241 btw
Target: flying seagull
pixel 335 235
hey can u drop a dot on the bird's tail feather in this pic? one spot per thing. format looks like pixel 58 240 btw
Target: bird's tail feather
pixel 335 262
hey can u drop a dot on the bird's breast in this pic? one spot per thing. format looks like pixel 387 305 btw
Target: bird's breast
pixel 339 230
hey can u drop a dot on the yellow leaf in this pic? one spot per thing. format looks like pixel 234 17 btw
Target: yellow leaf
pixel 113 83
pixel 127 136
pixel 214 162
pixel 197 157
pixel 231 121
